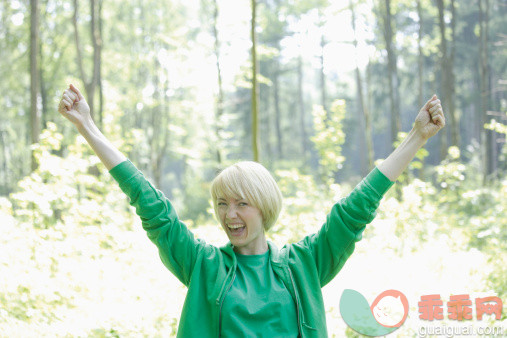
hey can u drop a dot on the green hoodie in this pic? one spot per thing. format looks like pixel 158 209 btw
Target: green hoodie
pixel 208 271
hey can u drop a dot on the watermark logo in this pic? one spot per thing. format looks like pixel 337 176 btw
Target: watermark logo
pixel 459 307
pixel 385 315
pixel 390 310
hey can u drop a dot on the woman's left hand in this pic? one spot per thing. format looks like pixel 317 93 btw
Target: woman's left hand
pixel 430 119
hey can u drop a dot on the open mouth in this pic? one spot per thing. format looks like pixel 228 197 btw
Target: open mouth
pixel 236 229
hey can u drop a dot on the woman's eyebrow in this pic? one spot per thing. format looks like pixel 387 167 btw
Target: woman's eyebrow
pixel 234 199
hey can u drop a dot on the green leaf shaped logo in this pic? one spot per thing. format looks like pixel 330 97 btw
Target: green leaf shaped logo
pixel 386 314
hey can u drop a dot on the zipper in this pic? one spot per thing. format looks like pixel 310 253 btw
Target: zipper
pixel 297 302
pixel 222 303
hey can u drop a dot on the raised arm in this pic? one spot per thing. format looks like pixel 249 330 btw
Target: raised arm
pixel 74 107
pixel 332 245
pixel 427 123
pixel 177 246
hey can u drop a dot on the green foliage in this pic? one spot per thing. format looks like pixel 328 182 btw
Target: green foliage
pixel 305 205
pixel 329 138
pixel 450 176
pixel 25 305
pixel 5 206
pixel 501 129
pixel 349 333
pixel 192 202
pixel 457 207
pixel 65 189
pixel 491 235
pixel 497 126
pixel 63 281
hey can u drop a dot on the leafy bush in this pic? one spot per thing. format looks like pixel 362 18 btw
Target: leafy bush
pixel 329 138
pixel 67 189
pixel 305 205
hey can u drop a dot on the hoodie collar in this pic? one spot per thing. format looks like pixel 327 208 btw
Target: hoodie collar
pixel 276 256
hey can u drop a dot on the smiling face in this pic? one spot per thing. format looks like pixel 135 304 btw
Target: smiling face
pixel 247 203
pixel 243 225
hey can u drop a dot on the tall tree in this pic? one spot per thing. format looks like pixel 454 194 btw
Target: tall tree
pixel 255 86
pixel 98 32
pixel 442 137
pixel 363 107
pixel 158 134
pixel 4 172
pixel 392 71
pixel 91 83
pixel 277 110
pixel 455 121
pixel 219 108
pixel 420 56
pixel 420 69
pixel 273 31
pixel 35 118
pixel 211 10
pixel 301 105
pixel 322 77
pixel 486 135
pixel 447 72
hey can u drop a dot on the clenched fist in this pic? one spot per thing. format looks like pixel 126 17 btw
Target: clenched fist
pixel 430 118
pixel 74 107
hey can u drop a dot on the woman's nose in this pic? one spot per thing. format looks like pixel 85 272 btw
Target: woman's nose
pixel 231 212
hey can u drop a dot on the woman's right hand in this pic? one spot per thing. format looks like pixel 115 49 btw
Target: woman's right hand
pixel 74 107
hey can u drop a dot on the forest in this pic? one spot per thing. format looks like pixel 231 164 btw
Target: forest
pixel 318 91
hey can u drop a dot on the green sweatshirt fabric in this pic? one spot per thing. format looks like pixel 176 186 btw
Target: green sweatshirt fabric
pixel 258 304
pixel 208 271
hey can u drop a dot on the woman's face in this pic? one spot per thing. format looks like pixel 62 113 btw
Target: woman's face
pixel 243 224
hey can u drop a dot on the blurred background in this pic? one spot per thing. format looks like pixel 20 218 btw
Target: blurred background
pixel 315 90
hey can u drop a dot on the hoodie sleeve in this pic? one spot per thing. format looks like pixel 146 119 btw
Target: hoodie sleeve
pixel 332 245
pixel 178 249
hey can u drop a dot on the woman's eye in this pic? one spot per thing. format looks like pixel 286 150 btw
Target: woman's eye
pixel 221 204
pixel 243 204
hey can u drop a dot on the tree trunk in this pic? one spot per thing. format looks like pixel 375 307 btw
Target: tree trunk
pixel 219 109
pixel 323 95
pixel 420 70
pixel 166 135
pixel 301 103
pixel 270 156
pixel 448 73
pixel 155 121
pixel 79 55
pixel 455 121
pixel 420 57
pixel 364 112
pixel 91 85
pixel 276 99
pixel 96 44
pixel 99 65
pixel 392 74
pixel 442 136
pixel 43 91
pixel 255 87
pixel 6 190
pixel 34 76
pixel 159 120
pixel 447 64
pixel 486 135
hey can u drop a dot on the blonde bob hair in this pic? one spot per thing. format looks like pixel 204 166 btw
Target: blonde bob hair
pixel 251 181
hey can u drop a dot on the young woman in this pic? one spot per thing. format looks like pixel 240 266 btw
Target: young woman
pixel 249 287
